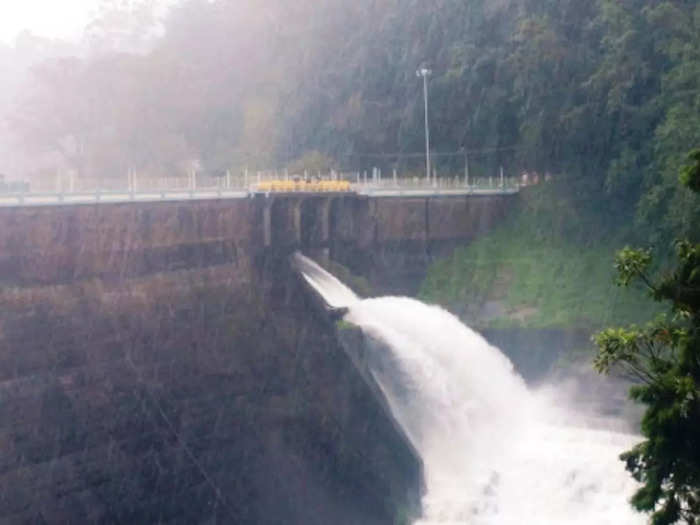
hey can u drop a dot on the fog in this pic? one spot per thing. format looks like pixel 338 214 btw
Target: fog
pixel 161 159
pixel 157 87
pixel 36 36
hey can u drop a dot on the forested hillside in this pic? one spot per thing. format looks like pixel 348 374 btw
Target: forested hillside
pixel 605 94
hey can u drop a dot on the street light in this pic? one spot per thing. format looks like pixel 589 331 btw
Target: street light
pixel 425 73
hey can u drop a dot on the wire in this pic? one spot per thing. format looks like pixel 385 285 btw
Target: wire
pixel 460 153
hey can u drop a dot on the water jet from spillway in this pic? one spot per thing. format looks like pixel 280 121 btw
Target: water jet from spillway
pixel 495 453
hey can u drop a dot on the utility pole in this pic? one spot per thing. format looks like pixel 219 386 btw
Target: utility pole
pixel 425 73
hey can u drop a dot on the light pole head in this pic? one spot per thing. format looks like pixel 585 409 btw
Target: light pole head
pixel 423 72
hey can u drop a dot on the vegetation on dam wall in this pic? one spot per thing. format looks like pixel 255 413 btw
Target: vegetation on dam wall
pixel 550 265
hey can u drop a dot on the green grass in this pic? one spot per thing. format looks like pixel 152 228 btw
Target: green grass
pixel 341 324
pixel 548 266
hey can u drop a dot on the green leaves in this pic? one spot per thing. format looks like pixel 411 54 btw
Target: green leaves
pixel 631 264
pixel 617 345
pixel 690 175
pixel 664 358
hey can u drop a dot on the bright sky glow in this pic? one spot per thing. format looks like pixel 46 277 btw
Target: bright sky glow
pixel 47 18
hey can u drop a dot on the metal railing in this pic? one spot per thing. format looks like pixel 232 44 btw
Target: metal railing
pixel 91 191
pixel 81 197
pixel 437 186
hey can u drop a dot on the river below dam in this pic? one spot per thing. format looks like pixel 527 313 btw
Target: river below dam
pixel 495 452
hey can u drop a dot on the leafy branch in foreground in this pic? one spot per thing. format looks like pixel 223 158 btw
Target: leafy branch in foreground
pixel 663 358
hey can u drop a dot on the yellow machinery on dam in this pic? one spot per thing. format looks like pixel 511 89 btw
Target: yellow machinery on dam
pixel 301 186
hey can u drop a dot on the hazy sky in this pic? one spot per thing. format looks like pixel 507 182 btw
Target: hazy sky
pixel 49 18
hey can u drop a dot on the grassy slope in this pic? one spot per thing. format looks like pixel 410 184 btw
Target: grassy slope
pixel 548 266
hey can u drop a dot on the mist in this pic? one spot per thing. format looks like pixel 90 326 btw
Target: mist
pixel 510 187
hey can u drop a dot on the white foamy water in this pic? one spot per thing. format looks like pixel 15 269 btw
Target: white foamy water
pixel 494 452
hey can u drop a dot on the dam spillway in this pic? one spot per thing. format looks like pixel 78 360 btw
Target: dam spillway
pixel 133 337
pixel 493 450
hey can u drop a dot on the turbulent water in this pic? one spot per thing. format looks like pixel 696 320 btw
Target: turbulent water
pixel 494 451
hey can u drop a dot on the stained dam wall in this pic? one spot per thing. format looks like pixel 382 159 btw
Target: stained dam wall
pixel 159 362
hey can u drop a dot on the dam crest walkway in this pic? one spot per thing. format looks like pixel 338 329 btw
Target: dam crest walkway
pixel 403 188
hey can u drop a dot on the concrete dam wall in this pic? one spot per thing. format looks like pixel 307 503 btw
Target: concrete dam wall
pixel 160 362
pixel 62 244
pixel 392 241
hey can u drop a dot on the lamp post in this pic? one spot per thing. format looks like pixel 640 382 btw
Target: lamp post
pixel 425 73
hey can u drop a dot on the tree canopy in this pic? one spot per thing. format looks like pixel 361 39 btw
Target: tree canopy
pixel 606 93
pixel 663 358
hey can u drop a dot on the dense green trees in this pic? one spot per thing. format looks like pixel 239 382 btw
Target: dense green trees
pixel 663 357
pixel 605 92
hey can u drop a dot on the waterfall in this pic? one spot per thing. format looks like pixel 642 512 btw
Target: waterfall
pixel 495 452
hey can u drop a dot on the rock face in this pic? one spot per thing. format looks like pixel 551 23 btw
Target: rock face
pixel 158 365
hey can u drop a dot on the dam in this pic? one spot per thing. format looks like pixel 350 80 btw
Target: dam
pixel 161 362
pixel 388 238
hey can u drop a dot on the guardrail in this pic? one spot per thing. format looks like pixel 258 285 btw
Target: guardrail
pixel 71 198
pixel 455 183
pixel 403 187
pixel 434 192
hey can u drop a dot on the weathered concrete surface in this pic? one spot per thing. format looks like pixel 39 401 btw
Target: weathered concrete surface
pixel 58 244
pixel 146 376
pixel 159 363
pixel 393 240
